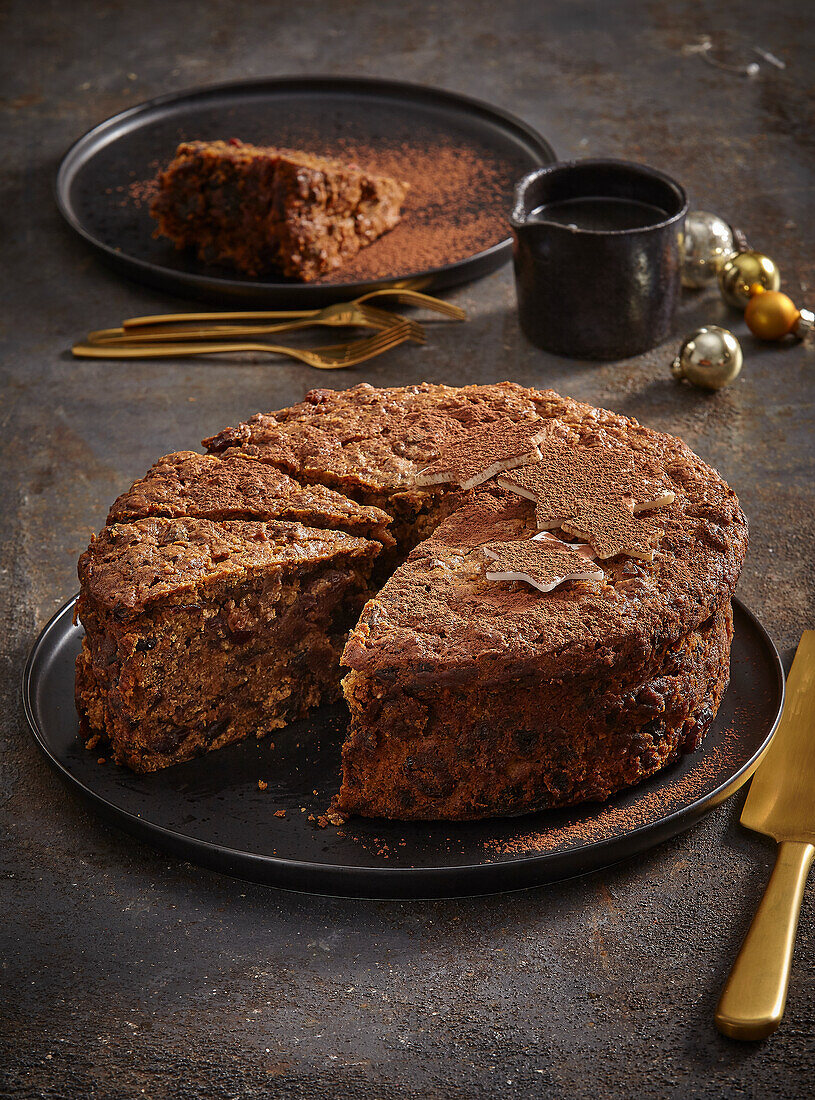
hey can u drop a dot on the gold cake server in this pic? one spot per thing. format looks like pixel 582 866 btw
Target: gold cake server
pixel 781 804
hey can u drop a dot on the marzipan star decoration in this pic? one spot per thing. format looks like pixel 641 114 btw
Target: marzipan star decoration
pixel 543 562
pixel 592 493
pixel 500 445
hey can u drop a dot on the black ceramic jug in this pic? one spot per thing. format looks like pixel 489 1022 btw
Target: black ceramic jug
pixel 588 288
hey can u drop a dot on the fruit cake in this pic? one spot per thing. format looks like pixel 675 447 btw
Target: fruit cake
pixel 478 684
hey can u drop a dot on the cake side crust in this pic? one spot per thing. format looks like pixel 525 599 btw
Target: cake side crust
pixel 458 752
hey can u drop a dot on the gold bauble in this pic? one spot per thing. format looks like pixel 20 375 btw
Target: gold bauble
pixel 739 272
pixel 710 358
pixel 770 315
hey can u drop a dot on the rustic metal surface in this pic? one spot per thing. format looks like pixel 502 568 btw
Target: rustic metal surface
pixel 124 973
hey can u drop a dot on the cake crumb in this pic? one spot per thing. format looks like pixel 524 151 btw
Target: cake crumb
pixel 280 813
pixel 262 784
pixel 100 760
pixel 93 741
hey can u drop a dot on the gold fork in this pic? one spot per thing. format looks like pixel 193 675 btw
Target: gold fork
pixel 349 314
pixel 416 298
pixel 406 297
pixel 329 357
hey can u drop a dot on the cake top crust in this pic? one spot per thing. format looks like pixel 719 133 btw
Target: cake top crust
pixel 244 153
pixel 366 440
pixel 132 566
pixel 439 616
pixel 187 484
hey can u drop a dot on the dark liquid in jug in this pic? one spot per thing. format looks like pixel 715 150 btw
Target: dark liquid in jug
pixel 599 214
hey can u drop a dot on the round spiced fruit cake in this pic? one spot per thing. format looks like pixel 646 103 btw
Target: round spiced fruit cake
pixel 546 586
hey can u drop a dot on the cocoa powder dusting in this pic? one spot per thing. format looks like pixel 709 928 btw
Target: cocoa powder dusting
pixel 616 820
pixel 139 193
pixel 142 192
pixel 458 204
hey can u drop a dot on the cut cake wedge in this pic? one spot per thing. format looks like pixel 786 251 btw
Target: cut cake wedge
pixel 260 208
pixel 197 633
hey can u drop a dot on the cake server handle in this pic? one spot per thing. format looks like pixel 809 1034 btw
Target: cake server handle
pixel 752 1003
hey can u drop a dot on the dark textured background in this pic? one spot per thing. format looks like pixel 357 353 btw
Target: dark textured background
pixel 124 973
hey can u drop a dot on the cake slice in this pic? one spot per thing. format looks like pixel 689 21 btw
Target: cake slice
pixel 200 633
pixel 261 208
pixel 187 484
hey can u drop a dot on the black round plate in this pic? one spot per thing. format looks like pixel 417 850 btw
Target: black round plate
pixel 97 176
pixel 212 811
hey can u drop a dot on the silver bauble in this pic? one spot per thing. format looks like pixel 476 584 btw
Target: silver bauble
pixel 707 242
pixel 710 358
pixel 805 329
